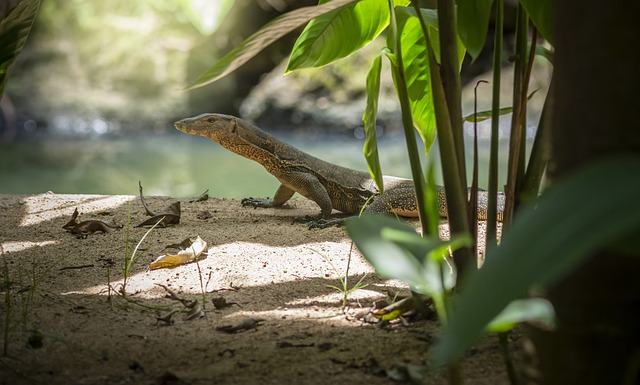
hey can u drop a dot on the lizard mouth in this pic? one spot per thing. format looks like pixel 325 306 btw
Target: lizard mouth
pixel 183 126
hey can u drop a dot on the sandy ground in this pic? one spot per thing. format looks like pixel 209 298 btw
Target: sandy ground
pixel 62 323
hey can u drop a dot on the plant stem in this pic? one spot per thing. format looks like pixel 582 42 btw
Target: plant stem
pixel 492 205
pixel 508 361
pixel 473 200
pixel 539 156
pixel 522 74
pixel 407 122
pixel 454 190
pixel 450 73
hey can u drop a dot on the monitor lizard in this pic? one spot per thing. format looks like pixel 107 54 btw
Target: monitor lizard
pixel 329 185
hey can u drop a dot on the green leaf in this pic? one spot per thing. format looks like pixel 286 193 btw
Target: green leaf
pixel 416 69
pixel 14 31
pixel 538 310
pixel 388 258
pixel 484 115
pixel 266 35
pixel 369 119
pixel 430 17
pixel 473 22
pixel 541 14
pixel 577 216
pixel 395 250
pixel 338 34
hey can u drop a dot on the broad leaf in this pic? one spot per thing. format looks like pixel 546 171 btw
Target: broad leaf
pixel 416 69
pixel 473 22
pixel 14 31
pixel 369 119
pixel 338 34
pixel 575 217
pixel 537 310
pixel 266 35
pixel 387 257
pixel 541 14
pixel 395 250
pixel 430 17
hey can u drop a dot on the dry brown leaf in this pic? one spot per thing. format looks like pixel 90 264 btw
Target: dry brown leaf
pixel 190 250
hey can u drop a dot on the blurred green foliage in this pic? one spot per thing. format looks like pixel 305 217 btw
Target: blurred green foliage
pixel 118 59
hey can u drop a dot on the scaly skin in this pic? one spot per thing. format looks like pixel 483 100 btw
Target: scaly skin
pixel 329 185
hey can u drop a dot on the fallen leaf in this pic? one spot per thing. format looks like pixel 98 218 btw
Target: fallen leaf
pixel 221 303
pixel 203 197
pixel 89 226
pixel 195 311
pixel 191 249
pixel 247 323
pixel 170 217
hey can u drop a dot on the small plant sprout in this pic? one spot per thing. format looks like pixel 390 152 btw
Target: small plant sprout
pixel 130 260
pixel 344 281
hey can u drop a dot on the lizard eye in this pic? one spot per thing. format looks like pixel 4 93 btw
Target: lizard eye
pixel 211 120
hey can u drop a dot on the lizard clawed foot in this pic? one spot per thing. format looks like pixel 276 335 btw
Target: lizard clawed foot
pixel 256 202
pixel 306 219
pixel 324 223
pixel 319 223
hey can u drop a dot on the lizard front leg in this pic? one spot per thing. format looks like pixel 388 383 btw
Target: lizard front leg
pixel 282 195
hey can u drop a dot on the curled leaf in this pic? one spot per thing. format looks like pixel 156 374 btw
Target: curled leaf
pixel 89 226
pixel 203 197
pixel 171 215
pixel 190 250
pixel 244 324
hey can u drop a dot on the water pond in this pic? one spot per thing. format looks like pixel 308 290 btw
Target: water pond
pixel 175 165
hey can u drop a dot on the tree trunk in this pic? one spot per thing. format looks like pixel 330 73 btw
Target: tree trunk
pixel 595 105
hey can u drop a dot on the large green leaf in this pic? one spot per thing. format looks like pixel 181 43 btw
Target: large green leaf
pixel 518 311
pixel 338 34
pixel 14 31
pixel 577 216
pixel 369 119
pixel 395 250
pixel 266 35
pixel 473 22
pixel 541 14
pixel 416 69
pixel 430 17
pixel 386 256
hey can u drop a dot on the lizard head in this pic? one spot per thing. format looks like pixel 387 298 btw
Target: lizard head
pixel 212 126
pixel 232 133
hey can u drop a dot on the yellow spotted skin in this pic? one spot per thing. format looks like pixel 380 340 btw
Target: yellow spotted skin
pixel 329 185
